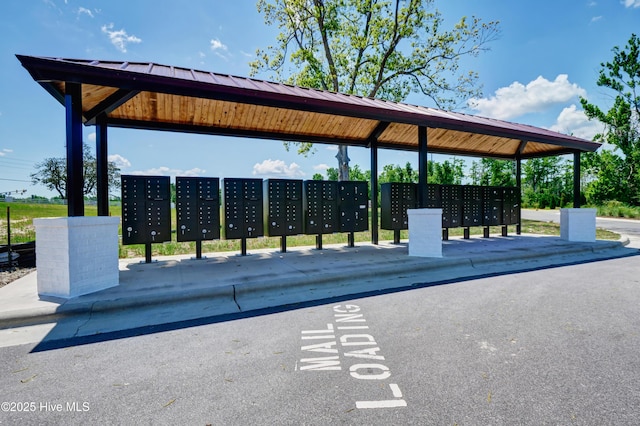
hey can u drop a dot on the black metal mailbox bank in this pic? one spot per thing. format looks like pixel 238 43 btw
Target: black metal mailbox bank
pixel 283 209
pixel 462 206
pixel 146 211
pixel 320 204
pixel 197 210
pixel 243 214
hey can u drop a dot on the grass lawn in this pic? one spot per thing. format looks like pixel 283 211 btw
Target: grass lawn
pixel 22 230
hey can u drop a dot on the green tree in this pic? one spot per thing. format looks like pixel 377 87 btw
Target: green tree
pixel 332 173
pixel 446 173
pixel 622 124
pixel 52 173
pixel 375 48
pixel 317 176
pixel 493 172
pixel 396 173
pixel 603 172
pixel 548 182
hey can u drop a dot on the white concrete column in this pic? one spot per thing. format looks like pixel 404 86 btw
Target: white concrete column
pixel 578 225
pixel 76 255
pixel 425 232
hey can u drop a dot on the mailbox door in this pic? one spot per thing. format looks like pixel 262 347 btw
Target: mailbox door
pixel 253 212
pixel 133 219
pixel 186 209
pixel 208 196
pixel 353 203
pixel 511 207
pixel 233 208
pixel 320 207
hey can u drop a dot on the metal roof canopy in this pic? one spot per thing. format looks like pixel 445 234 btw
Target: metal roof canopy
pixel 160 97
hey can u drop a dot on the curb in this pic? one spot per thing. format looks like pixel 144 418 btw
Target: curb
pixel 234 291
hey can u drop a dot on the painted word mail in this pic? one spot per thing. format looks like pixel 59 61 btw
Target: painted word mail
pixel 348 335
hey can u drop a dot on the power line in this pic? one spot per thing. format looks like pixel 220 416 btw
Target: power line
pixel 16 180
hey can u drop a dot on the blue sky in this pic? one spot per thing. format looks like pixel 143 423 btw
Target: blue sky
pixel 548 55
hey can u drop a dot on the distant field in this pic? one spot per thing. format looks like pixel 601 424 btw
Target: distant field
pixel 22 230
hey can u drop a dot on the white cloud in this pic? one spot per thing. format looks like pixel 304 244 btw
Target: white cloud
pixel 216 44
pixel 82 10
pixel 120 38
pixel 2 154
pixel 631 3
pixel 166 171
pixel 518 99
pixel 7 150
pixel 91 137
pixel 574 122
pixel 596 18
pixel 121 162
pixel 332 148
pixel 321 167
pixel 219 49
pixel 277 168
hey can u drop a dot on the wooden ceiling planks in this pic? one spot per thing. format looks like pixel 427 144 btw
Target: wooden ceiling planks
pixel 181 99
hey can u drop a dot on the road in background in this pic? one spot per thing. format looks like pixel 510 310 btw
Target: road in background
pixel 629 227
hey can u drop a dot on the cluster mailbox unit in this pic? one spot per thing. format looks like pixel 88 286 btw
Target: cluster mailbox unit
pixel 197 210
pixel 243 214
pixel 331 206
pixel 462 206
pixel 146 211
pixel 283 207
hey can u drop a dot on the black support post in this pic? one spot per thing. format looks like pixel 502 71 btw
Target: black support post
pixel 519 185
pixel 102 167
pixel 576 180
pixel 422 167
pixel 75 180
pixel 374 192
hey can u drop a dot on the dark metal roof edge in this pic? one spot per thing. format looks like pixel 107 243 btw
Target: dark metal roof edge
pixel 44 69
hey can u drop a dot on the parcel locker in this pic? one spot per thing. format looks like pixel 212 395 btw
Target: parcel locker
pixel 146 209
pixel 243 208
pixel 395 199
pixel 283 207
pixel 197 208
pixel 492 215
pixel 511 206
pixel 353 206
pixel 320 204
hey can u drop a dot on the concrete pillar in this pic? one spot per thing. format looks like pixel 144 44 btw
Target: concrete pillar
pixel 76 255
pixel 578 225
pixel 425 232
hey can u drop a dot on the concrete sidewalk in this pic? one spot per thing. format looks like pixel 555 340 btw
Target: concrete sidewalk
pixel 180 288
